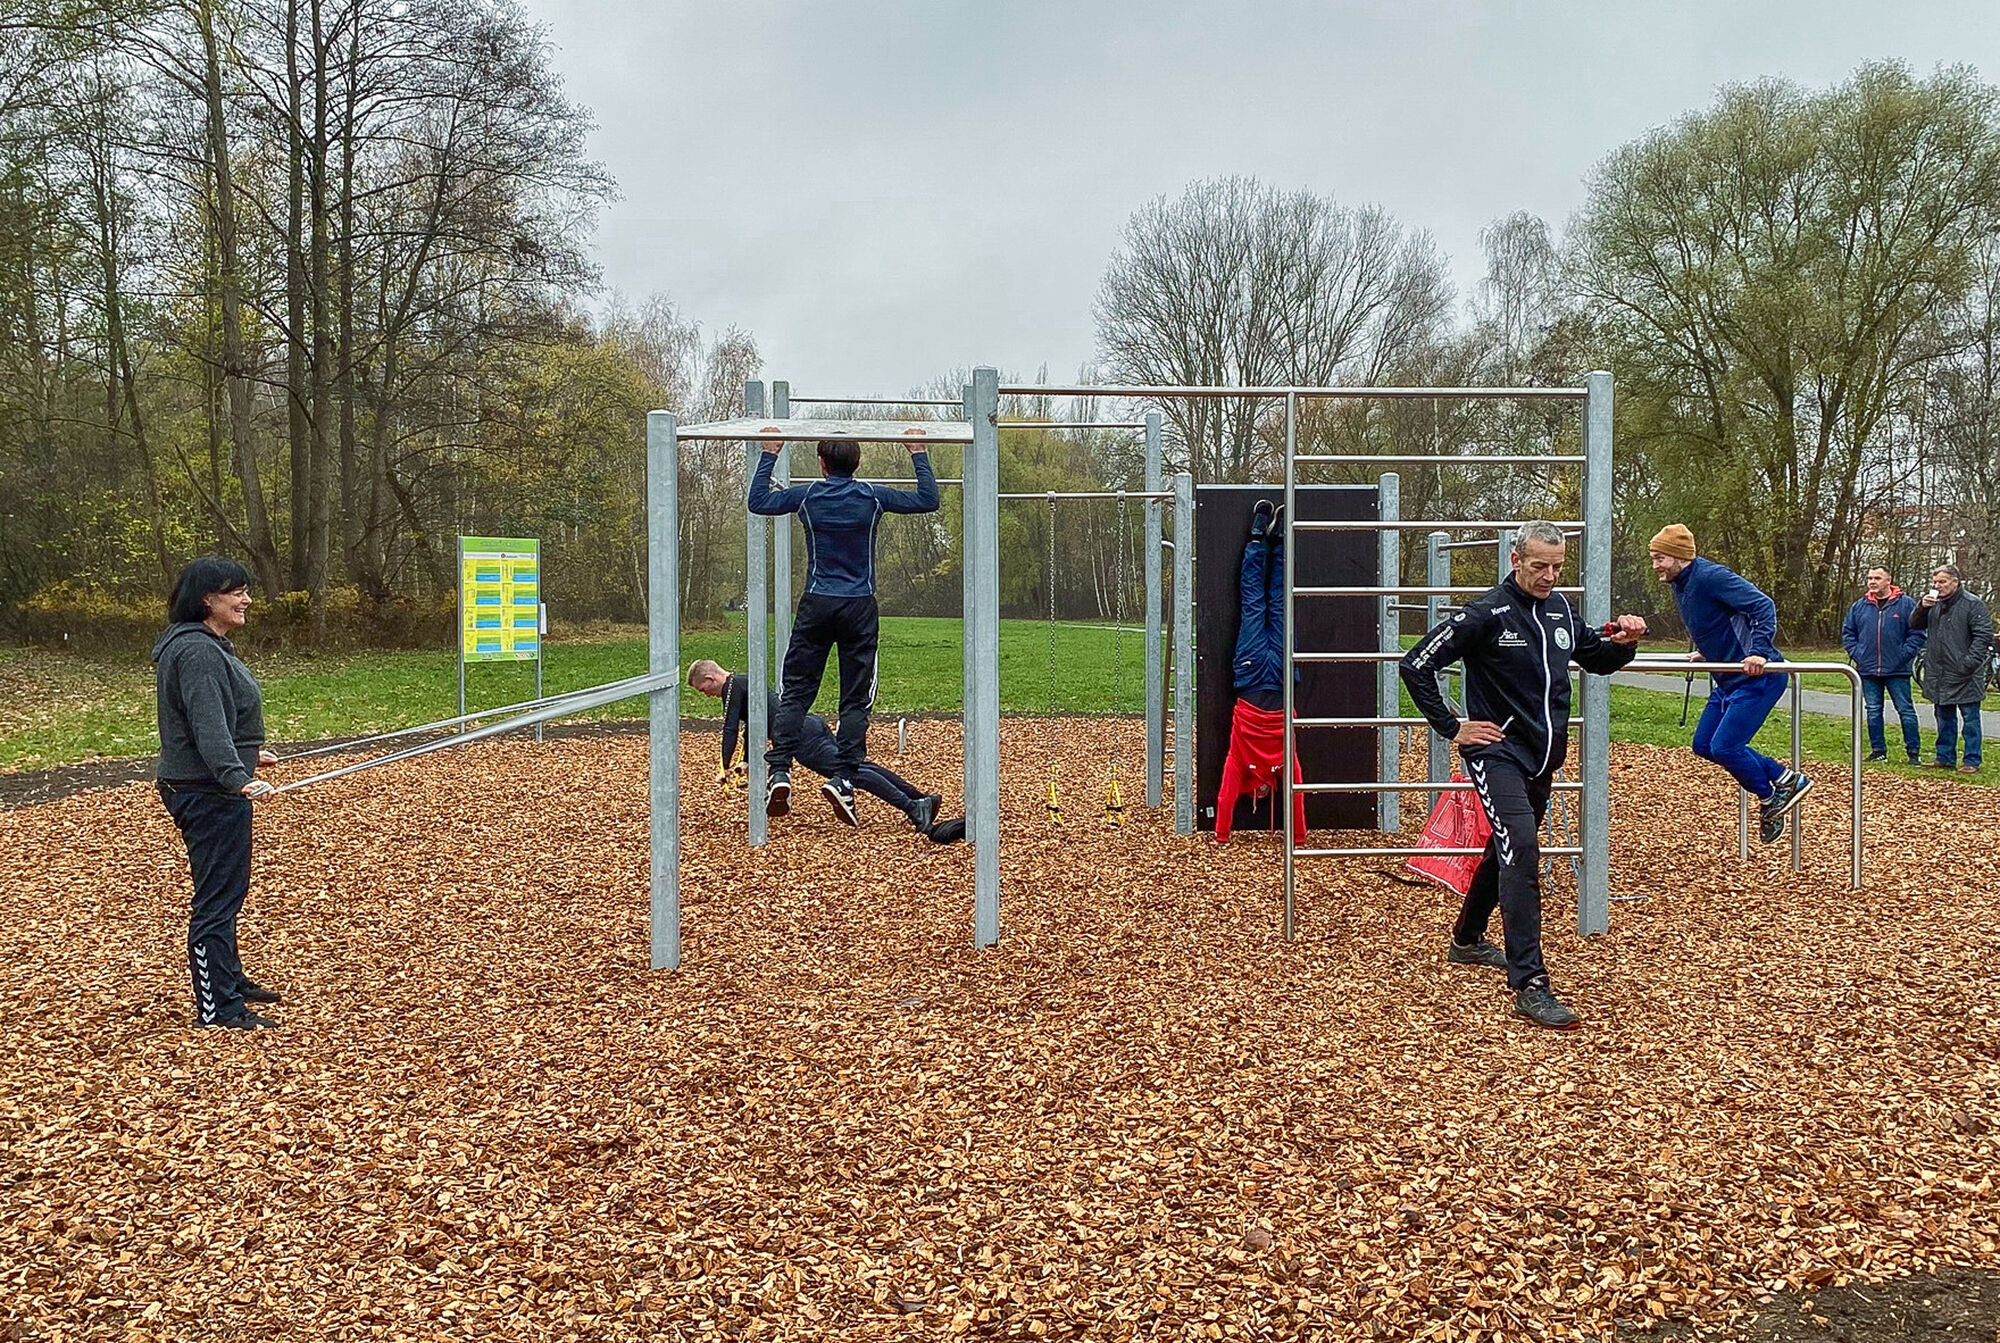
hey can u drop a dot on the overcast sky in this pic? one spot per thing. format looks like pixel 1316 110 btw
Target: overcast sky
pixel 883 190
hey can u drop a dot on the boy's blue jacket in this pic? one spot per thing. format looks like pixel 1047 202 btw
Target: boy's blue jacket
pixel 1726 615
pixel 1877 635
pixel 840 514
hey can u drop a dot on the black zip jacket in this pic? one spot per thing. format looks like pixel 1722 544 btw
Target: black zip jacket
pixel 1516 652
pixel 736 716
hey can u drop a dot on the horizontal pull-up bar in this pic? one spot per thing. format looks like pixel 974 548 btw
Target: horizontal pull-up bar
pixel 1443 459
pixel 1386 525
pixel 872 401
pixel 1131 393
pixel 1093 494
pixel 1574 723
pixel 1072 424
pixel 760 430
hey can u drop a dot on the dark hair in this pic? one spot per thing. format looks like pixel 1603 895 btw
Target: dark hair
pixel 839 456
pixel 210 573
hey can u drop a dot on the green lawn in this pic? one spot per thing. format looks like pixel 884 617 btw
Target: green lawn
pixel 58 709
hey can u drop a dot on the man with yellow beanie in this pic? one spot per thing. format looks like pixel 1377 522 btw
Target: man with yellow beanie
pixel 1731 620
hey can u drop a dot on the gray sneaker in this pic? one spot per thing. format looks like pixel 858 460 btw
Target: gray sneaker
pixel 1785 795
pixel 1481 952
pixel 1539 1005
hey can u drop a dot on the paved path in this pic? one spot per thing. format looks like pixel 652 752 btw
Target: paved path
pixel 1814 701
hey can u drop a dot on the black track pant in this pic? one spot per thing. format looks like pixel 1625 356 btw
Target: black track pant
pixel 216 828
pixel 1510 872
pixel 821 625
pixel 819 752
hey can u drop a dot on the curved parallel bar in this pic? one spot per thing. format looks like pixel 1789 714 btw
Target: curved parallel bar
pixel 358 743
pixel 578 703
pixel 1854 717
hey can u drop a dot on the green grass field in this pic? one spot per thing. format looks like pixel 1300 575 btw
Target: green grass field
pixel 57 709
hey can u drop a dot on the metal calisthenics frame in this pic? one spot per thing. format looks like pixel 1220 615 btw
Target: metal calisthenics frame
pixel 980 499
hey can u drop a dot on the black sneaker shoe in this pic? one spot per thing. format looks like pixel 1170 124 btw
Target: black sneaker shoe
pixel 840 795
pixel 1278 524
pixel 243 1021
pixel 253 992
pixel 1785 795
pixel 778 793
pixel 923 813
pixel 1878 758
pixel 1538 1005
pixel 1481 952
pixel 1262 518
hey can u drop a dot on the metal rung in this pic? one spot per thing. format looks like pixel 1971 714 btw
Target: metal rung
pixel 1093 494
pixel 1566 851
pixel 1438 459
pixel 1381 525
pixel 1379 787
pixel 1574 725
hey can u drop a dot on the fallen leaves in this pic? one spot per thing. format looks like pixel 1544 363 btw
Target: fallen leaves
pixel 1143 1114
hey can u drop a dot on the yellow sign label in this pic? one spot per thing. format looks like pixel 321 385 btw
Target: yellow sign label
pixel 500 595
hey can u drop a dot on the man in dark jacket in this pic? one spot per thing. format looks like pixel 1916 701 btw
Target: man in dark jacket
pixel 1516 643
pixel 1960 640
pixel 837 609
pixel 1730 620
pixel 1879 640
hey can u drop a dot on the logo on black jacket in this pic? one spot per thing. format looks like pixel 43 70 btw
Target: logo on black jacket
pixel 1562 639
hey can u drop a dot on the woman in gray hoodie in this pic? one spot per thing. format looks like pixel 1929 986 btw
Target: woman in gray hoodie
pixel 211 742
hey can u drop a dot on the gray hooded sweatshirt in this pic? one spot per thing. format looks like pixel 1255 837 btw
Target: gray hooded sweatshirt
pixel 211 711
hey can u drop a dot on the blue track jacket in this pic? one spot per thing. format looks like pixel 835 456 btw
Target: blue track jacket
pixel 840 514
pixel 1877 635
pixel 1728 617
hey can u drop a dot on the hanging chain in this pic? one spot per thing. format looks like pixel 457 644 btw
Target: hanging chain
pixel 1053 804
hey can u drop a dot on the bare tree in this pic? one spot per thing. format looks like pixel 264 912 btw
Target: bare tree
pixel 1236 283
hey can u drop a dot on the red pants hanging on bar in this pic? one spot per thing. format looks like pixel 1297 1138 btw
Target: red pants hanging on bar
pixel 1256 755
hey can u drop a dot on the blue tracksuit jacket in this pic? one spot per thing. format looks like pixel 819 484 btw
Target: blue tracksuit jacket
pixel 840 514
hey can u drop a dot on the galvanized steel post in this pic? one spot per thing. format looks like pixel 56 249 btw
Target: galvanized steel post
pixel 663 706
pixel 1437 574
pixel 1155 696
pixel 1593 887
pixel 982 565
pixel 1282 797
pixel 1389 623
pixel 968 620
pixel 1798 758
pixel 781 539
pixel 756 620
pixel 1183 653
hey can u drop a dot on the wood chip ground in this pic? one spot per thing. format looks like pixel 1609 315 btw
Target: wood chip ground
pixel 1144 1115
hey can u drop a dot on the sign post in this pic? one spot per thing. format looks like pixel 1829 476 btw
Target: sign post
pixel 500 614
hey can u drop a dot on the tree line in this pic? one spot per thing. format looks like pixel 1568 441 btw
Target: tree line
pixel 307 282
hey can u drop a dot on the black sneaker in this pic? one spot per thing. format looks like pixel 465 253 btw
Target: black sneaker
pixel 778 793
pixel 1539 1005
pixel 1878 758
pixel 1785 795
pixel 1262 519
pixel 923 812
pixel 253 992
pixel 246 1020
pixel 1481 952
pixel 840 795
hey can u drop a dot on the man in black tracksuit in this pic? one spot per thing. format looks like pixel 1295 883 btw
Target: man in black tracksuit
pixel 837 610
pixel 1516 643
pixel 817 748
